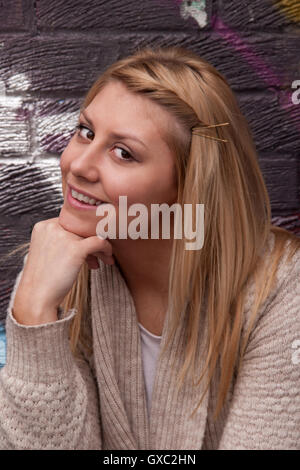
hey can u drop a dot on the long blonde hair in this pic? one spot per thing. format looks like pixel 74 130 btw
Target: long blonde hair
pixel 226 178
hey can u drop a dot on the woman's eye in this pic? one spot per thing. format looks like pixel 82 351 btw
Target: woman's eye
pixel 86 133
pixel 121 156
pixel 80 128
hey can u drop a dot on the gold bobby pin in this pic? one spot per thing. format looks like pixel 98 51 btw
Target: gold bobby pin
pixel 207 126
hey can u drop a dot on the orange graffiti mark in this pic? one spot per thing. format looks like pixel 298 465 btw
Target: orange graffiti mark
pixel 290 8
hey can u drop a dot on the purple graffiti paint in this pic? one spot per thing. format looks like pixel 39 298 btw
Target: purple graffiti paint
pixel 261 68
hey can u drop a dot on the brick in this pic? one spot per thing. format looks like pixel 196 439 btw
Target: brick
pixel 6 286
pixel 61 64
pixel 55 121
pixel 260 15
pixel 8 230
pixel 32 188
pixel 16 16
pixel 14 124
pixel 95 15
pixel 256 61
pixel 15 230
pixel 55 65
pixel 281 175
pixel 274 120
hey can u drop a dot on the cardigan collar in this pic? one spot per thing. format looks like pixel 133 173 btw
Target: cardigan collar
pixel 118 362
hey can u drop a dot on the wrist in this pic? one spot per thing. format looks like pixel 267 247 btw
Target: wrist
pixel 34 316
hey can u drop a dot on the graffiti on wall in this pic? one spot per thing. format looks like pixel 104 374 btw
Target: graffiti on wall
pixel 45 127
pixel 263 70
pixel 13 136
pixel 233 39
pixel 194 9
pixel 290 8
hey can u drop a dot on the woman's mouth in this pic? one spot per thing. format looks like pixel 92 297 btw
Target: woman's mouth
pixel 80 201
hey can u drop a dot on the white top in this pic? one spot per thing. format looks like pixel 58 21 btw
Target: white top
pixel 150 349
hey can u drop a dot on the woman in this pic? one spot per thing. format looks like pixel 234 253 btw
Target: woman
pixel 139 343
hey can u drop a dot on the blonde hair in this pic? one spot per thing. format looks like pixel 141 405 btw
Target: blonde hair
pixel 226 178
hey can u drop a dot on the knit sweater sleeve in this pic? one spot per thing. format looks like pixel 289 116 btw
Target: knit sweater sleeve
pixel 265 406
pixel 48 398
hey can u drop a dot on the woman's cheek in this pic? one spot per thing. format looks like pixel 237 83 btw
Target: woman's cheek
pixel 114 187
pixel 65 162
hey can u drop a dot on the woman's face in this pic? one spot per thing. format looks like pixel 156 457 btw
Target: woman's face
pixel 119 150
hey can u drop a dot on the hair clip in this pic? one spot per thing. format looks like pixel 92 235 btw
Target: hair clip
pixel 195 131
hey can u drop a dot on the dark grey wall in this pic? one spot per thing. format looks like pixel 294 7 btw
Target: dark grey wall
pixel 51 52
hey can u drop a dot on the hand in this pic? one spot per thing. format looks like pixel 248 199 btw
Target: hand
pixel 54 260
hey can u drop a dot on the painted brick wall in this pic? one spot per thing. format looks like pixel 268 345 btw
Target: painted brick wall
pixel 51 52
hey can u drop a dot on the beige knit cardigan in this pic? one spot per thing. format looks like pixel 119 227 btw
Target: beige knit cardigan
pixel 50 400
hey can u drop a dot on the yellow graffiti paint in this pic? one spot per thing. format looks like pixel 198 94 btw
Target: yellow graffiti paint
pixel 290 8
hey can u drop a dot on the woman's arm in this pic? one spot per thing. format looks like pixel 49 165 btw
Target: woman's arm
pixel 265 408
pixel 48 399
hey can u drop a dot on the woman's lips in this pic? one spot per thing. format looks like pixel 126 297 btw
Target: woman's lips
pixel 78 204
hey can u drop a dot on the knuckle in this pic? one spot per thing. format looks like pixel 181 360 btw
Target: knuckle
pixel 37 226
pixel 106 244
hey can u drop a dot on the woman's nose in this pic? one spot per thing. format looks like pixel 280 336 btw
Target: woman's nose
pixel 87 163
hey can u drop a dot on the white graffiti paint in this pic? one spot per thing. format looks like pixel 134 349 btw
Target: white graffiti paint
pixel 6 100
pixel 56 124
pixel 196 10
pixel 14 132
pixel 296 94
pixel 18 82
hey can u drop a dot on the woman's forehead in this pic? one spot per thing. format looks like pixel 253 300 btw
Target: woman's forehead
pixel 118 106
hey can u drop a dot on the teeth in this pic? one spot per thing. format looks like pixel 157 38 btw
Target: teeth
pixel 86 199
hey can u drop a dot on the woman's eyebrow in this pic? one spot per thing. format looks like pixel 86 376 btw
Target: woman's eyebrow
pixel 86 118
pixel 113 134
